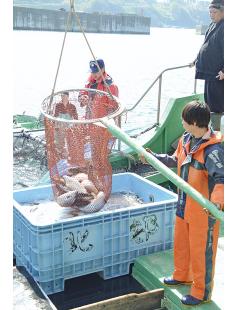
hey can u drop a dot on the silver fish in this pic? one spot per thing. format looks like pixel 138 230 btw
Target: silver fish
pixel 80 176
pixel 95 205
pixel 67 199
pixel 89 186
pixel 74 198
pixel 73 170
pixel 73 185
pixel 83 199
pixel 63 188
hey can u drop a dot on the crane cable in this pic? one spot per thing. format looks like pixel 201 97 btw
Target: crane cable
pixel 60 57
pixel 69 19
pixel 90 48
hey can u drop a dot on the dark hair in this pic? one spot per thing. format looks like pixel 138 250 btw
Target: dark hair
pixel 65 93
pixel 217 4
pixel 221 2
pixel 196 112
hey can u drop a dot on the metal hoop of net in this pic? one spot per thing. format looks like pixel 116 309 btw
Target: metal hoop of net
pixel 78 145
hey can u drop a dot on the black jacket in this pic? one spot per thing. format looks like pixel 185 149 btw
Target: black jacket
pixel 210 59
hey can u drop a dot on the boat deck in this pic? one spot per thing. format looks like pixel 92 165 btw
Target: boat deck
pixel 150 271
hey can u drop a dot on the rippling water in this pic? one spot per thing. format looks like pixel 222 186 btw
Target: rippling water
pixel 134 61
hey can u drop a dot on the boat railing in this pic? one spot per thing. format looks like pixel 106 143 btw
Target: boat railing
pixel 159 78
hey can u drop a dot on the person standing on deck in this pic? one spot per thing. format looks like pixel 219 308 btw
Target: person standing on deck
pixel 99 80
pixel 210 63
pixel 101 106
pixel 199 160
pixel 65 110
pixel 96 105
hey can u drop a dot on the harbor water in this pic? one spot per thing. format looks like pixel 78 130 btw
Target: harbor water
pixel 134 62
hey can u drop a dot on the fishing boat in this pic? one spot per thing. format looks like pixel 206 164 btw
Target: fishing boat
pixel 136 282
pixel 27 123
pixel 145 286
pixel 159 137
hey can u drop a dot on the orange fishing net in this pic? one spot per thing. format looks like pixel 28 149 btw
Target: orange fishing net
pixel 78 146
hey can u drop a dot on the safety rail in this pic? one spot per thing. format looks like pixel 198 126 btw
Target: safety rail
pixel 159 77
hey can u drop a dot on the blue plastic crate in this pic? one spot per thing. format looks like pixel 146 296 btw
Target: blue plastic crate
pixel 105 242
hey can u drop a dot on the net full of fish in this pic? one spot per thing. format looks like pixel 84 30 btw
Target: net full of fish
pixel 80 192
pixel 46 212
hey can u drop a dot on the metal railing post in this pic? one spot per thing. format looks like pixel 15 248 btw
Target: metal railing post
pixel 153 83
pixel 195 86
pixel 119 141
pixel 159 77
pixel 159 100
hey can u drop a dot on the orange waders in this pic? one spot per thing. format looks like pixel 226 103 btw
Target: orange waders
pixel 196 233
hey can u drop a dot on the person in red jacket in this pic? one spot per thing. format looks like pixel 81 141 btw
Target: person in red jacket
pixel 63 110
pixel 98 141
pixel 99 106
pixel 199 158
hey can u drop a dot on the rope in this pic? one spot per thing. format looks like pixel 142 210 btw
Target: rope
pixel 69 19
pixel 28 136
pixel 144 131
pixel 90 48
pixel 62 48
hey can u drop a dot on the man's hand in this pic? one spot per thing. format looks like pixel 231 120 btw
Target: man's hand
pixel 220 75
pixel 192 64
pixel 209 213
pixel 142 158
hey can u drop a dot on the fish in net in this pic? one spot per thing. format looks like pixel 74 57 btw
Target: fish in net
pixel 78 146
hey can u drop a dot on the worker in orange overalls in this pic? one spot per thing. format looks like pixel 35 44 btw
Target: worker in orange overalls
pixel 199 159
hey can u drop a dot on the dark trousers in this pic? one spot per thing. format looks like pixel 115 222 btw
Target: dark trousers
pixel 214 95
